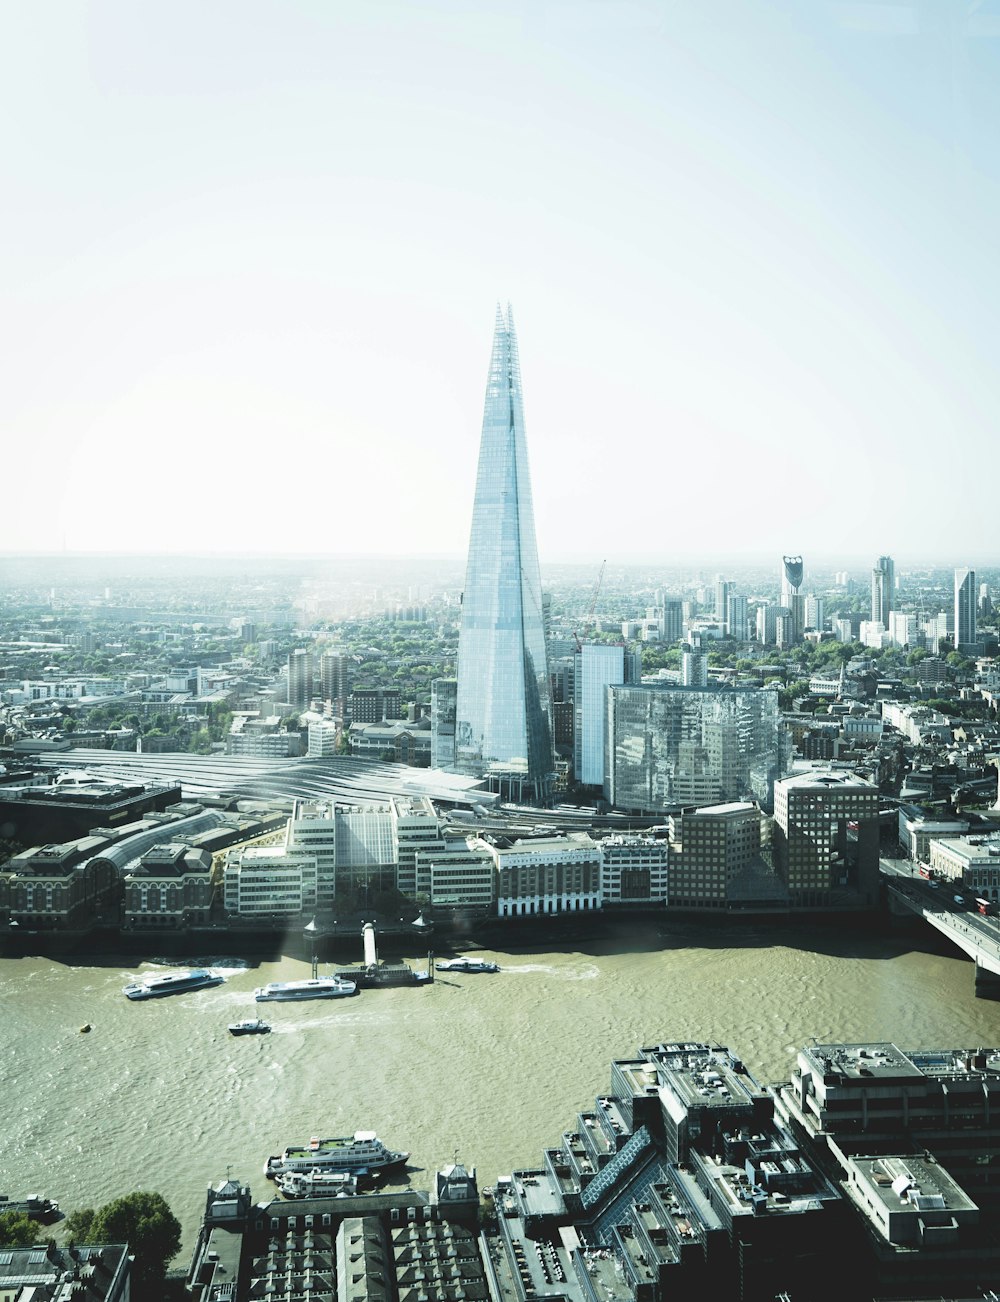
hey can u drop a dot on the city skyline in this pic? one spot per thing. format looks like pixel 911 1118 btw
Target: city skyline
pixel 731 232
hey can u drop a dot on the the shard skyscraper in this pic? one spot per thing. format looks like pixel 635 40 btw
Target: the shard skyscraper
pixel 503 705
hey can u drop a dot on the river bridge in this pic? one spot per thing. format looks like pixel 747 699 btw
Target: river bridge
pixel 952 911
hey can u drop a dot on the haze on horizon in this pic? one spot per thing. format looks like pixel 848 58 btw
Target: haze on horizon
pixel 252 254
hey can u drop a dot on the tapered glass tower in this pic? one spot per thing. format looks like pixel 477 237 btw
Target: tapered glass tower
pixel 503 704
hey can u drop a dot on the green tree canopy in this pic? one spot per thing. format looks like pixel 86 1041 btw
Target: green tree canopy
pixel 147 1225
pixel 17 1230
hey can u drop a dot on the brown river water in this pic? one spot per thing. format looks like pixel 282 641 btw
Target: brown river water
pixel 491 1068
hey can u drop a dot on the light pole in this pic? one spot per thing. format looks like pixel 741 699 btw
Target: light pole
pixel 310 928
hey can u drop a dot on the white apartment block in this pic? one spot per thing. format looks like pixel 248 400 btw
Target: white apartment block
pixel 918 724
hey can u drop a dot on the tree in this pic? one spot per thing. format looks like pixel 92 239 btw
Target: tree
pixel 148 1226
pixel 78 1224
pixel 17 1230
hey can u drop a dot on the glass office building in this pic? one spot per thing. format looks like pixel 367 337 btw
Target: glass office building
pixel 675 746
pixel 503 703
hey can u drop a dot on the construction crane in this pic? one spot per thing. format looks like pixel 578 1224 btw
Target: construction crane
pixel 593 603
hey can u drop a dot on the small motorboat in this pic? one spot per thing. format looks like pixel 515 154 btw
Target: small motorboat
pixel 250 1026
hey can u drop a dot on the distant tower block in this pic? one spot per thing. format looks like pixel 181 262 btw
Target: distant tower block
pixel 793 572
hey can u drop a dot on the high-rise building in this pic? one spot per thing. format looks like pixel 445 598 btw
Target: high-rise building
pixel 503 710
pixel 883 589
pixel 335 679
pixel 300 677
pixel 826 836
pixel 597 667
pixel 736 617
pixel 791 597
pixel 722 589
pixel 966 600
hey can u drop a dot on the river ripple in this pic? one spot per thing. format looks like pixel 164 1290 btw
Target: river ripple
pixel 489 1068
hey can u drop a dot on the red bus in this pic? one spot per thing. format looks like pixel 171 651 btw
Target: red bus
pixel 984 906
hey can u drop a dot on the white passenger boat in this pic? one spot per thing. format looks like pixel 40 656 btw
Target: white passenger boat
pixel 329 987
pixel 361 1153
pixel 465 964
pixel 171 983
pixel 317 1184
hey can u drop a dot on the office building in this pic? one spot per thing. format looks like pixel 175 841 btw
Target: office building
pixel 373 704
pixel 883 590
pixel 710 848
pixel 966 602
pixel 826 836
pixel 443 703
pixel 596 668
pixel 555 874
pixel 503 711
pixel 634 871
pixel 674 746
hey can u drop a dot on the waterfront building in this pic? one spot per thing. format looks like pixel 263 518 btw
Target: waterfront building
pixel 503 710
pixel 915 1137
pixel 300 678
pixel 709 849
pixel 883 590
pixel 415 826
pixel 46 1272
pixel 634 871
pixel 972 863
pixel 675 746
pixel 826 836
pixel 916 831
pixel 354 848
pixel 58 888
pixel 265 881
pixel 456 877
pixel 554 874
pixel 169 889
pixel 597 667
pixel 966 603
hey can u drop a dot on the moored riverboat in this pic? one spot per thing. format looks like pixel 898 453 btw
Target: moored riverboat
pixel 362 1153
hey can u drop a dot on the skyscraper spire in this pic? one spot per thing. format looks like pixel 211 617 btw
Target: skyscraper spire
pixel 502 718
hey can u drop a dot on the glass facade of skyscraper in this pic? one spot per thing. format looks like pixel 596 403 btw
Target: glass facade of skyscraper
pixel 692 746
pixel 503 708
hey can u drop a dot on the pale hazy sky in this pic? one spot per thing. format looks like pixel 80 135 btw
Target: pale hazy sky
pixel 252 250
